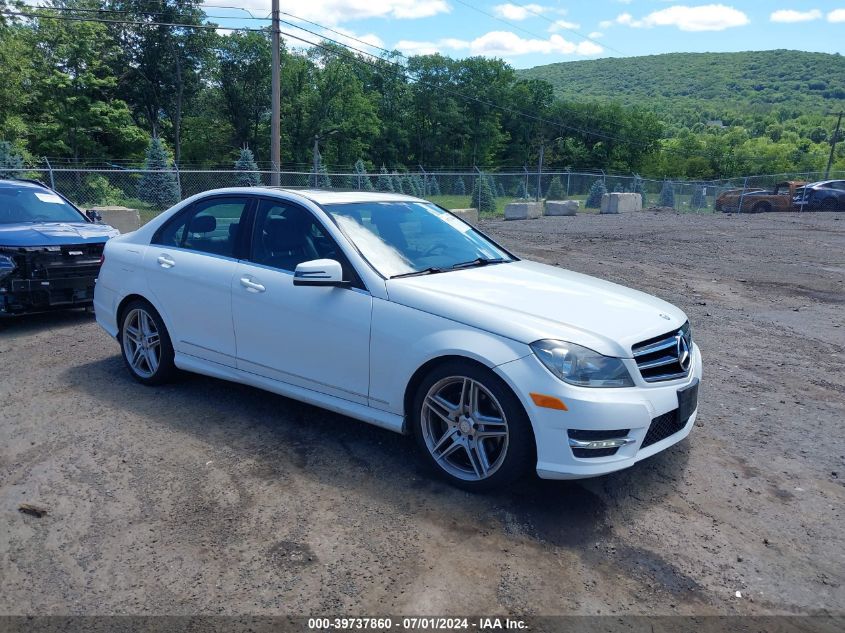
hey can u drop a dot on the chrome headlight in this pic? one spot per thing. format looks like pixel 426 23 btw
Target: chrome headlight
pixel 581 366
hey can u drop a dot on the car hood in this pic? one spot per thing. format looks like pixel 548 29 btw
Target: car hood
pixel 527 301
pixel 54 233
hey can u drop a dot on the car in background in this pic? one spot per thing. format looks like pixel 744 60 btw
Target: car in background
pixel 50 251
pixel 758 200
pixel 392 310
pixel 826 195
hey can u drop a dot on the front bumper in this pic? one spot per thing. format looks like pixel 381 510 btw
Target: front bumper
pixel 22 296
pixel 589 409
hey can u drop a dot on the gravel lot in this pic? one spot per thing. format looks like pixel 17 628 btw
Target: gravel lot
pixel 207 497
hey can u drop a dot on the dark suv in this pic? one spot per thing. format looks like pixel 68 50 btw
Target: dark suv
pixel 828 195
pixel 50 251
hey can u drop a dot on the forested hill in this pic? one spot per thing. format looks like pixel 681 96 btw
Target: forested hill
pixel 686 88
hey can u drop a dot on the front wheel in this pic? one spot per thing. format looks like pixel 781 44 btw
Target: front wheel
pixel 146 346
pixel 471 427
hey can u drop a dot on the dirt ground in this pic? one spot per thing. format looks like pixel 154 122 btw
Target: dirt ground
pixel 205 497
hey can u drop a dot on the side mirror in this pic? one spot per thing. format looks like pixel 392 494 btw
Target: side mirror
pixel 94 216
pixel 319 272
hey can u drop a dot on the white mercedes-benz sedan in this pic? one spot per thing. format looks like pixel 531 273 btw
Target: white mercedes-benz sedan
pixel 391 310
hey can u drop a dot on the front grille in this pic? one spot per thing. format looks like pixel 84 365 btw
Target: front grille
pixel 665 357
pixel 662 427
pixel 60 262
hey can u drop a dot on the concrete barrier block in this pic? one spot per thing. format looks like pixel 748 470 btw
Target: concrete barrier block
pixel 523 210
pixel 621 202
pixel 123 219
pixel 467 215
pixel 562 207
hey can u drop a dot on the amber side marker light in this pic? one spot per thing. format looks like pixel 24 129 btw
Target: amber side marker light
pixel 548 402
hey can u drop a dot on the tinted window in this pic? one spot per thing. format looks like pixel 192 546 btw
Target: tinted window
pixel 26 204
pixel 210 226
pixel 287 235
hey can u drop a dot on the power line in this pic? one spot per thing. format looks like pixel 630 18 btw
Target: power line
pixel 565 28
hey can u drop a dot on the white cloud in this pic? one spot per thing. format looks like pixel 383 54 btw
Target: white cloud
pixel 502 44
pixel 790 15
pixel 596 35
pixel 517 13
pixel 332 12
pixel 350 38
pixel 837 15
pixel 708 17
pixel 557 25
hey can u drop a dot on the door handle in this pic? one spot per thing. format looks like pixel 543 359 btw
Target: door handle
pixel 252 286
pixel 165 262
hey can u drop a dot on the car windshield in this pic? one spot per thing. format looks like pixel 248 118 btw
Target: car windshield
pixel 407 238
pixel 25 204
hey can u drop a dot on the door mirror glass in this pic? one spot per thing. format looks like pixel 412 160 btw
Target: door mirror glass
pixel 319 272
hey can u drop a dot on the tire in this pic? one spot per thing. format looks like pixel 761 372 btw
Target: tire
pixel 761 207
pixel 145 344
pixel 829 204
pixel 476 451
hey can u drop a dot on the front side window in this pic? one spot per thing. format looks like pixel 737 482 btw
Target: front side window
pixel 405 238
pixel 210 226
pixel 287 235
pixel 26 204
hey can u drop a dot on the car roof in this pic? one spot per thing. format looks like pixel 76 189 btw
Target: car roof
pixel 25 184
pixel 322 196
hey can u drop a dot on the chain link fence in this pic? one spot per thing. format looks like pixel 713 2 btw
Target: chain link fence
pixel 153 191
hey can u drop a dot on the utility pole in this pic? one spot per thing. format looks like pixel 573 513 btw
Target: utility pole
pixel 315 154
pixel 540 170
pixel 833 146
pixel 276 116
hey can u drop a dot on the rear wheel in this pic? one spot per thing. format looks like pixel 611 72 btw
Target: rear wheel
pixel 761 207
pixel 146 346
pixel 471 428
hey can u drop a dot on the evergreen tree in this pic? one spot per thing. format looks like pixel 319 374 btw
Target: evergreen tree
pixel 158 185
pixel 596 192
pixel 419 183
pixel 638 187
pixel 667 194
pixel 491 183
pixel 699 199
pixel 555 190
pixel 501 189
pixel 9 159
pixel 458 187
pixel 409 186
pixel 362 180
pixel 618 188
pixel 384 182
pixel 247 170
pixel 482 197
pixel 522 190
pixel 433 186
pixel 397 183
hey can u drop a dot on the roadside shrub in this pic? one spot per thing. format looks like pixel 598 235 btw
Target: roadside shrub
pixel 597 190
pixel 501 189
pixel 667 194
pixel 482 197
pixel 555 190
pixel 98 191
pixel 521 191
pixel 459 188
pixel 247 169
pixel 158 186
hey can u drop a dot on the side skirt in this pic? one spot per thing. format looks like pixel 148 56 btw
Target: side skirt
pixel 383 419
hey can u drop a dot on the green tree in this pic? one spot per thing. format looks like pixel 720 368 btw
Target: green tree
pixel 667 194
pixel 384 182
pixel 433 186
pixel 597 190
pixel 637 187
pixel 482 197
pixel 10 161
pixel 458 187
pixel 158 185
pixel 362 180
pixel 248 175
pixel 522 191
pixel 555 190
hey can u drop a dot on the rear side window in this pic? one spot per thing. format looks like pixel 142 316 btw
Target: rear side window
pixel 211 226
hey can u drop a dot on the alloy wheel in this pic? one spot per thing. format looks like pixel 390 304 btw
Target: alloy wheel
pixel 142 343
pixel 464 428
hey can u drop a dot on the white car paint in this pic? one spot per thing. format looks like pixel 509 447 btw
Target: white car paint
pixel 355 351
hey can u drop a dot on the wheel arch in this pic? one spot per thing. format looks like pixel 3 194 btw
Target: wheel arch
pixel 124 303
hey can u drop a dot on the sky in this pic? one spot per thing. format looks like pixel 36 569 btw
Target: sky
pixel 536 33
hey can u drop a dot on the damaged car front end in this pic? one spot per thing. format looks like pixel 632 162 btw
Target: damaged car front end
pixel 50 252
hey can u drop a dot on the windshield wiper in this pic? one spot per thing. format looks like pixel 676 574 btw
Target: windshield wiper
pixel 432 270
pixel 478 261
